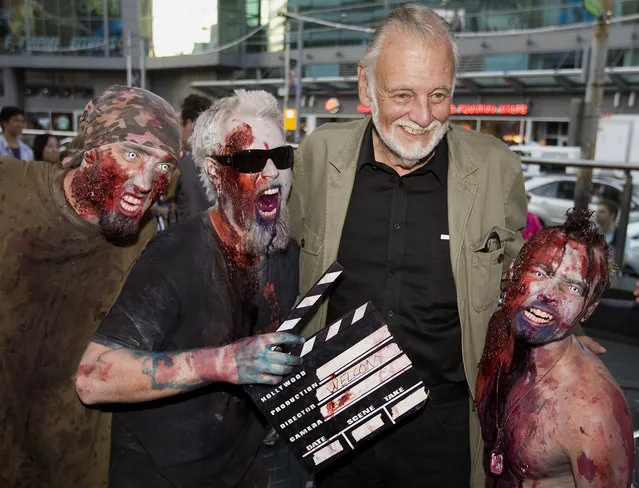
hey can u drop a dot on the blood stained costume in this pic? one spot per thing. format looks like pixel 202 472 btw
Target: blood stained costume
pixel 551 413
pixel 59 273
pixel 183 294
pixel 183 334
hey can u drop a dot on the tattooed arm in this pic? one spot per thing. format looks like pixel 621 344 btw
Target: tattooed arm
pixel 108 375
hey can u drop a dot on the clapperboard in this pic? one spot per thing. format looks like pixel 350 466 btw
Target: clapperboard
pixel 354 383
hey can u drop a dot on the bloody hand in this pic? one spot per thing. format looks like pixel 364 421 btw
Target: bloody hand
pixel 253 360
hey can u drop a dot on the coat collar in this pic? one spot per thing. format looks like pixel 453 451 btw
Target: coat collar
pixel 345 157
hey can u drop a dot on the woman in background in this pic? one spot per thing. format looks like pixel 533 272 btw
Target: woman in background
pixel 46 148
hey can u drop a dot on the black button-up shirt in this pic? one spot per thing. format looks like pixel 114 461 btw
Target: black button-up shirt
pixel 395 251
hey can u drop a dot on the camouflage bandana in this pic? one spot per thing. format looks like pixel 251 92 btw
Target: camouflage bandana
pixel 124 113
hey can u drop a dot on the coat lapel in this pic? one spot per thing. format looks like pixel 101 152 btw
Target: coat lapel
pixel 341 169
pixel 462 189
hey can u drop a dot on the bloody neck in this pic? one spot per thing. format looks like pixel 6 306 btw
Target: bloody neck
pixel 231 238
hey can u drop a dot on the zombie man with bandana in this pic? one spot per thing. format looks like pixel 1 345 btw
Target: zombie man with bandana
pixel 551 413
pixel 184 331
pixel 68 240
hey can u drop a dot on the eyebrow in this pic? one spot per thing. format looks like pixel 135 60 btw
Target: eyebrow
pixel 136 147
pixel 142 149
pixel 580 283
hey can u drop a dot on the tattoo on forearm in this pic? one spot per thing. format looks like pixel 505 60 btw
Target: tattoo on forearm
pixel 165 370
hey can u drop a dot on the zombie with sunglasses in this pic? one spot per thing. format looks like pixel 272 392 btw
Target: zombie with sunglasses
pixel 193 320
pixel 68 239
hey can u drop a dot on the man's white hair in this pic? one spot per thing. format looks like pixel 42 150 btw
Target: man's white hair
pixel 210 131
pixel 416 20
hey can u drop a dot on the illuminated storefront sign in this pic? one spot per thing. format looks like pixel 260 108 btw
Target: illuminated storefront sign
pixel 489 109
pixel 332 105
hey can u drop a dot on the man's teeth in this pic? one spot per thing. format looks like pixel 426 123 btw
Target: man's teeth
pixel 130 203
pixel 271 191
pixel 537 316
pixel 414 130
pixel 269 214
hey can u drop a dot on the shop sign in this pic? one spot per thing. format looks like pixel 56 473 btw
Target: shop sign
pixel 332 105
pixel 489 109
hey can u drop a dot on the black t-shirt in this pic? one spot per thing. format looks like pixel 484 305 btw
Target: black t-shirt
pixel 182 294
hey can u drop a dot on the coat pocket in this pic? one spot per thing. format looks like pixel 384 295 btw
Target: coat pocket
pixel 311 247
pixel 488 257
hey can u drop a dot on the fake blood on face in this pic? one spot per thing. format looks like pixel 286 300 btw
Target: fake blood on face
pixel 160 186
pixel 240 138
pixel 97 189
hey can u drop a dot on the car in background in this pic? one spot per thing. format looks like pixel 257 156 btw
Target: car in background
pixel 631 266
pixel 551 196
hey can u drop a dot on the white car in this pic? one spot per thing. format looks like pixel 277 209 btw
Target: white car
pixel 632 249
pixel 551 196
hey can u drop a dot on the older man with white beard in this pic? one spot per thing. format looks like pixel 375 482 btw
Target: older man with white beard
pixel 182 334
pixel 425 217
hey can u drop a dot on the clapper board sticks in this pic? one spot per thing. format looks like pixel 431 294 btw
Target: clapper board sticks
pixel 355 382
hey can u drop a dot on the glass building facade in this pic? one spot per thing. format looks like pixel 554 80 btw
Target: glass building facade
pixel 61 27
pixel 185 27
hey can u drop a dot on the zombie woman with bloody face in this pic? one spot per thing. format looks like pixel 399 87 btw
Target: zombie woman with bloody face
pixel 185 331
pixel 551 413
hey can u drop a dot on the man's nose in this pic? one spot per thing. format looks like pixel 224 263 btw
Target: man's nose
pixel 549 294
pixel 421 113
pixel 270 170
pixel 144 178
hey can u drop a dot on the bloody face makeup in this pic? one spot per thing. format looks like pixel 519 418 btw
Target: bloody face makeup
pixel 552 291
pixel 117 183
pixel 254 204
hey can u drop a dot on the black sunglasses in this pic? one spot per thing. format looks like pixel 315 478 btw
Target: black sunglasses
pixel 254 160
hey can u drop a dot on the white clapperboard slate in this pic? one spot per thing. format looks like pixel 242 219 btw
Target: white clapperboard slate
pixel 354 383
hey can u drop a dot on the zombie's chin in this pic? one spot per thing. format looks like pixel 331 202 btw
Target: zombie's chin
pixel 266 236
pixel 535 333
pixel 119 229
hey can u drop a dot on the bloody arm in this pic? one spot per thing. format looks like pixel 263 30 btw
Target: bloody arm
pixel 601 452
pixel 108 375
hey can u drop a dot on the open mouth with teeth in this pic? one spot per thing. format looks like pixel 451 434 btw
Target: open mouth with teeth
pixel 131 205
pixel 268 203
pixel 538 316
pixel 414 131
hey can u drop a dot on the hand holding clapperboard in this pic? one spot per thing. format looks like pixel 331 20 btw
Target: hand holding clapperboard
pixel 354 383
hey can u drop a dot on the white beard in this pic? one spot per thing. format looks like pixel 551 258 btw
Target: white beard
pixel 409 156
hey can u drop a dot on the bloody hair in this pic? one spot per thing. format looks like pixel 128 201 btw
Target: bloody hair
pixel 503 356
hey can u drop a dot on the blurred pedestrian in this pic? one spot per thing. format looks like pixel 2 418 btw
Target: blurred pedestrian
pixel 46 148
pixel 12 122
pixel 191 197
pixel 606 218
pixel 68 240
pixel 456 22
pixel 533 224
